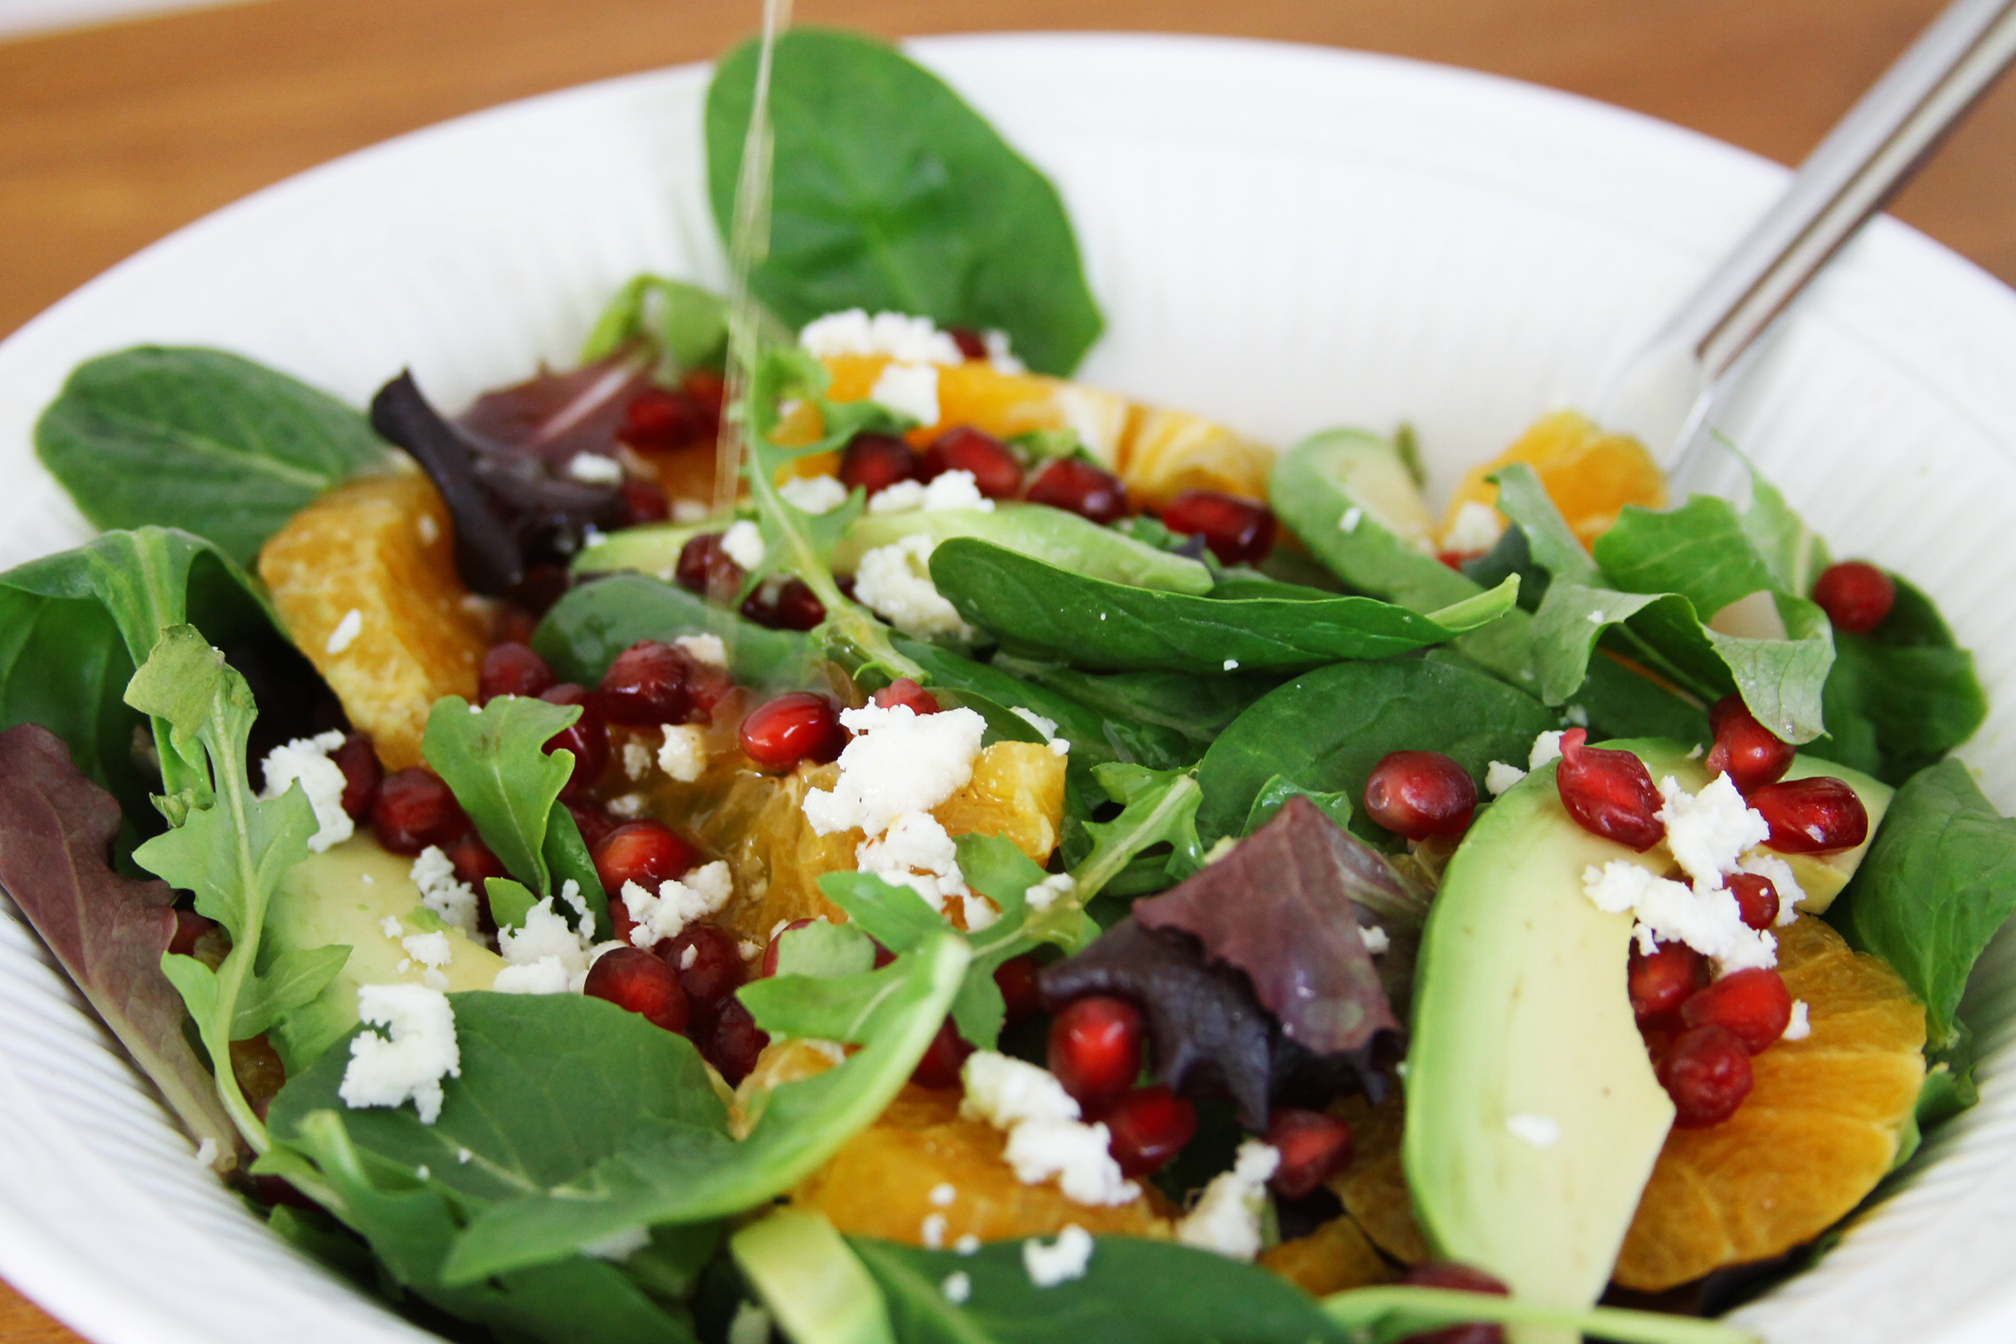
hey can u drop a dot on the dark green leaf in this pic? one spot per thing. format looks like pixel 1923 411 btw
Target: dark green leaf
pixel 1276 792
pixel 1132 703
pixel 1699 550
pixel 1038 532
pixel 1898 699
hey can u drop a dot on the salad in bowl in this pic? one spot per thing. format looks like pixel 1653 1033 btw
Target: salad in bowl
pixel 990 856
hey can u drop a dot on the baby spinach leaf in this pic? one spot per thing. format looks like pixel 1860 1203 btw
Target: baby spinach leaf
pixel 1040 532
pixel 1549 541
pixel 1100 625
pixel 1386 1315
pixel 1699 550
pixel 198 439
pixel 1937 883
pixel 1793 552
pixel 593 623
pixel 888 192
pixel 1901 697
pixel 688 325
pixel 1196 708
pixel 1277 792
pixel 1326 729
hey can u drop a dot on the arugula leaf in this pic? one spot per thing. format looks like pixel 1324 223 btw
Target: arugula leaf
pixel 1793 552
pixel 108 932
pixel 1937 883
pixel 494 759
pixel 890 193
pixel 1096 624
pixel 1387 1315
pixel 1158 807
pixel 586 630
pixel 687 324
pixel 200 440
pixel 228 847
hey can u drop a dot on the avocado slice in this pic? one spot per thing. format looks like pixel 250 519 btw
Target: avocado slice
pixel 816 1286
pixel 1533 1115
pixel 342 896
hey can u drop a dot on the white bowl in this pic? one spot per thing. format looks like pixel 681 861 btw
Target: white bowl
pixel 1286 238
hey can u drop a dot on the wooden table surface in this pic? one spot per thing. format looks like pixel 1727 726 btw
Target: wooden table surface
pixel 110 137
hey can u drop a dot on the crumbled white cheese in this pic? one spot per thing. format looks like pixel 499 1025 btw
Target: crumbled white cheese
pixel 687 512
pixel 1349 521
pixel 627 806
pixel 743 543
pixel 1801 1025
pixel 367 879
pixel 1231 664
pixel 678 902
pixel 621 1244
pixel 899 761
pixel 917 851
pixel 1045 1137
pixel 1047 727
pixel 967 1245
pixel 1576 715
pixel 814 494
pixel 1498 777
pixel 547 975
pixel 545 938
pixel 897 335
pixel 409 1062
pixel 1005 1091
pixel 1779 874
pixel 1049 891
pixel 391 927
pixel 636 760
pixel 1476 528
pixel 441 891
pixel 1061 1261
pixel 1708 831
pixel 958 1287
pixel 423 1173
pixel 998 353
pixel 898 497
pixel 908 389
pixel 1375 938
pixel 346 632
pixel 689 956
pixel 955 490
pixel 706 649
pixel 1546 747
pixel 683 756
pixel 206 1152
pixel 1059 746
pixel 933 1231
pixel 1226 1218
pixel 307 759
pixel 942 1194
pixel 894 582
pixel 463 1155
pixel 751 1325
pixel 429 949
pixel 1539 1130
pixel 595 469
pixel 980 912
pixel 1708 921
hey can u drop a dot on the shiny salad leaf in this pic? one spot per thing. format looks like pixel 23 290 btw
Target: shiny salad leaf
pixel 1902 696
pixel 559 415
pixel 586 629
pixel 1387 1315
pixel 687 325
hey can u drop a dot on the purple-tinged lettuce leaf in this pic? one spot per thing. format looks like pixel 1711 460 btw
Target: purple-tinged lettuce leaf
pixel 108 932
pixel 556 415
pixel 1282 907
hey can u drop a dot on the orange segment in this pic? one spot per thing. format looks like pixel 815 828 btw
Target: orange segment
pixel 1334 1257
pixel 1590 475
pixel 1374 1187
pixel 1017 791
pixel 381 547
pixel 1820 1127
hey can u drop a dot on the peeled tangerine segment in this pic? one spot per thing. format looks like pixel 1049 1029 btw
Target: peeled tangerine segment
pixel 383 548
pixel 1819 1129
pixel 1373 1188
pixel 1334 1257
pixel 1590 475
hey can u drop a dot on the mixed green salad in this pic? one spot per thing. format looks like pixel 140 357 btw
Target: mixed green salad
pixel 989 860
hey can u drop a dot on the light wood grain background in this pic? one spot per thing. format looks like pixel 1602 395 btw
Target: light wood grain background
pixel 112 137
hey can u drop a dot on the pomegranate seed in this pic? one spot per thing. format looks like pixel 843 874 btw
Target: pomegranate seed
pixel 1753 1005
pixel 621 920
pixel 795 727
pixel 644 852
pixel 708 390
pixel 1663 981
pixel 473 860
pixel 1855 595
pixel 735 1042
pixel 1812 816
pixel 883 956
pixel 1706 1071
pixel 1420 793
pixel 709 687
pixel 1756 898
pixel 1461 1279
pixel 769 966
pixel 1314 1146
pixel 713 972
pixel 1238 531
pixel 587 737
pixel 706 569
pixel 1457 559
pixel 1016 979
pixel 995 470
pixel 790 605
pixel 903 691
pixel 516 624
pixel 874 462
pixel 358 761
pixel 1076 486
pixel 542 586
pixel 1745 750
pixel 413 810
pixel 1148 1127
pixel 638 982
pixel 940 1066
pixel 593 823
pixel 970 342
pixel 660 420
pixel 644 501
pixel 649 683
pixel 278 1190
pixel 189 926
pixel 513 669
pixel 1095 1049
pixel 1608 793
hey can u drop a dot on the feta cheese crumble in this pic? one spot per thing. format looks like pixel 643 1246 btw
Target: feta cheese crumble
pixel 899 761
pixel 1226 1218
pixel 916 852
pixel 1539 1130
pixel 1047 727
pixel 1546 747
pixel 1061 1261
pixel 432 950
pixel 852 331
pixel 1231 664
pixel 346 632
pixel 967 1245
pixel 706 649
pixel 1049 891
pixel 894 582
pixel 1801 1025
pixel 958 1287
pixel 677 902
pixel 1476 528
pixel 1375 938
pixel 307 759
pixel 1498 777
pixel 943 1194
pixel 947 490
pixel 743 543
pixel 1708 921
pixel 908 389
pixel 1708 831
pixel 1352 517
pixel 409 1062
pixel 814 494
pixel 546 955
pixel 636 761
pixel 441 891
pixel 1046 1139
pixel 683 756
pixel 595 469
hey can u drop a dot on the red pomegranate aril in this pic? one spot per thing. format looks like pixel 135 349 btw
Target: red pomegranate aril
pixel 776 946
pixel 708 962
pixel 996 472
pixel 413 810
pixel 705 568
pixel 1314 1146
pixel 473 860
pixel 1706 1071
pixel 708 389
pixel 1016 979
pixel 798 726
pixel 638 982
pixel 1608 793
pixel 1745 750
pixel 1238 531
pixel 874 462
pixel 516 624
pixel 1418 794
pixel 621 921
pixel 358 760
pixel 587 737
pixel 1661 982
pixel 790 605
pixel 1855 595
pixel 1756 899
pixel 903 691
pixel 189 926
pixel 940 1066
pixel 1753 1005
pixel 649 683
pixel 1148 1127
pixel 1461 1279
pixel 1095 1049
pixel 269 1189
pixel 513 669
pixel 1078 487
pixel 592 822
pixel 1812 816
pixel 644 852
pixel 734 1042
pixel 660 420
pixel 644 501
pixel 970 342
